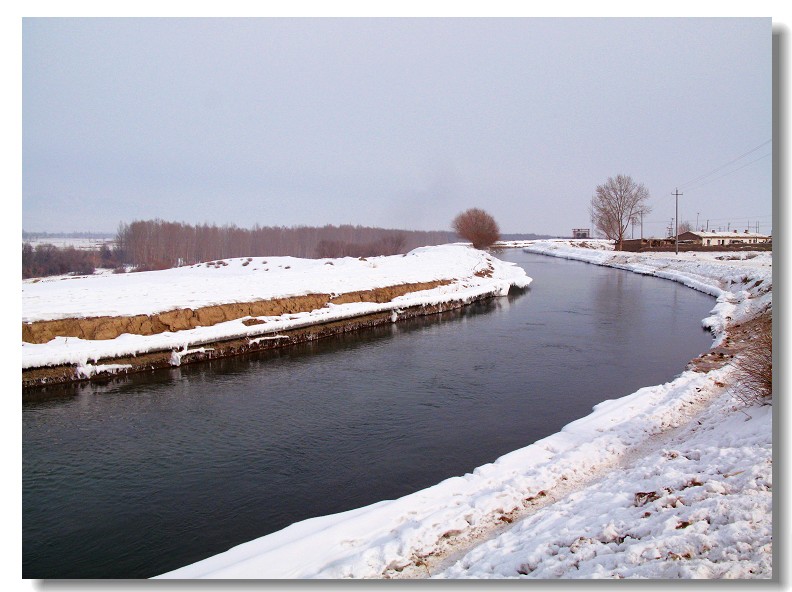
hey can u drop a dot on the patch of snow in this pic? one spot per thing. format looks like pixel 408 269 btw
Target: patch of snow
pixel 176 356
pixel 267 338
pixel 86 370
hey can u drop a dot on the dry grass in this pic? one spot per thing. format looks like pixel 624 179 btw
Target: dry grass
pixel 753 380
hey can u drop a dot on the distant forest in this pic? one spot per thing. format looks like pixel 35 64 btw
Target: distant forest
pixel 157 244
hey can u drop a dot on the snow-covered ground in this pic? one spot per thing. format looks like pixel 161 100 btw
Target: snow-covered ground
pixel 79 243
pixel 247 280
pixel 672 481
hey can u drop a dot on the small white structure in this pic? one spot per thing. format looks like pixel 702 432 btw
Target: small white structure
pixel 733 237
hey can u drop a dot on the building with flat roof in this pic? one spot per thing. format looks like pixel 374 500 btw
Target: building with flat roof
pixel 709 239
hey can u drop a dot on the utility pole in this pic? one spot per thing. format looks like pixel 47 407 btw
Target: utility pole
pixel 642 227
pixel 697 226
pixel 676 231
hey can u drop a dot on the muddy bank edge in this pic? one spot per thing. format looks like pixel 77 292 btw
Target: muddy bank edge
pixel 106 368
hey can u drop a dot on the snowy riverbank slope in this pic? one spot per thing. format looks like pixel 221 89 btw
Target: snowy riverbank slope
pixel 673 480
pixel 472 274
pixel 742 282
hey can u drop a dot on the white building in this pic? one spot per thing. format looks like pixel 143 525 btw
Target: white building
pixel 733 237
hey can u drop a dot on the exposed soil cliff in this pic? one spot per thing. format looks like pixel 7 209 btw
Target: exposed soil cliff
pixel 109 327
pixel 187 318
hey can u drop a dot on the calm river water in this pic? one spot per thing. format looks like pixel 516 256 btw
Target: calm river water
pixel 143 475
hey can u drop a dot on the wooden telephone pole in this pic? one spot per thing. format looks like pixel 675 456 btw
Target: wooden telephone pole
pixel 676 230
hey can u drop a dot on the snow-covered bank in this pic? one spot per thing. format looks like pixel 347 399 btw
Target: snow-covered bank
pixel 692 497
pixel 742 282
pixel 473 274
pixel 695 505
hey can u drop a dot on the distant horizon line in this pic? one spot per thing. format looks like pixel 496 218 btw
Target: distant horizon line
pixel 106 234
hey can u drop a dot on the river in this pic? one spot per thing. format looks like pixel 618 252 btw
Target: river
pixel 141 475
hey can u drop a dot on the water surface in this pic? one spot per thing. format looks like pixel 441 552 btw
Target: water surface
pixel 146 474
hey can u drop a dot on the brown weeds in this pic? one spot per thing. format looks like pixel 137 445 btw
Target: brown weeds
pixel 753 381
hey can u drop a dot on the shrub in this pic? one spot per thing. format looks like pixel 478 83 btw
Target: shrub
pixel 753 380
pixel 156 265
pixel 47 259
pixel 478 227
pixel 390 244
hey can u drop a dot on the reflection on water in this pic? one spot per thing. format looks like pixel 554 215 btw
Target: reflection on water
pixel 154 471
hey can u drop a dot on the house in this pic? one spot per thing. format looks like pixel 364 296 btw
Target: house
pixel 637 244
pixel 709 239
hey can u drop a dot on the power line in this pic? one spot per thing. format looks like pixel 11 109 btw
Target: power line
pixel 740 218
pixel 726 218
pixel 729 173
pixel 723 166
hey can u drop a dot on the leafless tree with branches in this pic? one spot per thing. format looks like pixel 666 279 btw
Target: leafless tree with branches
pixel 616 203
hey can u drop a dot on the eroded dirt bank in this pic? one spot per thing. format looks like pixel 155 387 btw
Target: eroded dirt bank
pixel 738 337
pixel 107 368
pixel 188 318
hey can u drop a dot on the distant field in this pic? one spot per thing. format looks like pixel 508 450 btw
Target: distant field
pixel 84 244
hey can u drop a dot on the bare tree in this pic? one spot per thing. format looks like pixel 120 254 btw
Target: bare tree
pixel 616 203
pixel 478 227
pixel 685 227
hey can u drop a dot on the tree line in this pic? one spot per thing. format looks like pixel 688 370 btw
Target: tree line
pixel 158 244
pixel 161 244
pixel 46 259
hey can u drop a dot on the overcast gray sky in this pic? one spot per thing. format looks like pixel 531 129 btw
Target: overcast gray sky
pixel 400 123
